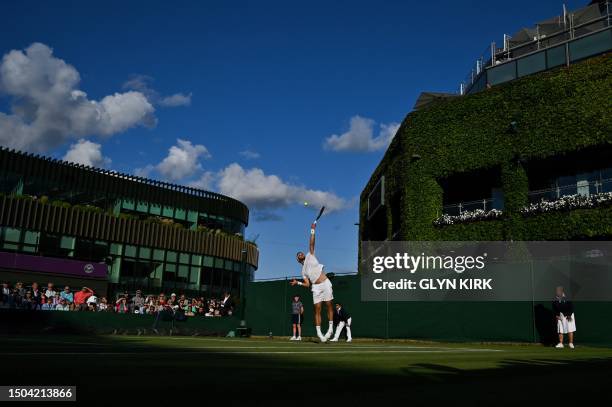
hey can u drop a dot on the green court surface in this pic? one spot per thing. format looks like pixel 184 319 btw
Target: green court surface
pixel 112 369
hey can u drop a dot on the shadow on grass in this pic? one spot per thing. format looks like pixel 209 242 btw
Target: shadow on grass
pixel 111 370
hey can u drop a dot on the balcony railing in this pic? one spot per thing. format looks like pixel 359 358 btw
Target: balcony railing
pixel 557 41
pixel 584 188
pixel 461 207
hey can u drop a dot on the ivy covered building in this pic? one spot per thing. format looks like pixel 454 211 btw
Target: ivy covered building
pixel 78 225
pixel 528 157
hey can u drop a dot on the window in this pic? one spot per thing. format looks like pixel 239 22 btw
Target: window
pixel 56 245
pixel 376 199
pixel 155 209
pixel 471 191
pixel 144 253
pixel 180 214
pixel 183 273
pixel 130 251
pixel 115 249
pixel 30 241
pixel 555 56
pixel 184 258
pixel 591 45
pixel 11 238
pixel 142 206
pixel 128 204
pixel 396 212
pixel 531 64
pixel 90 250
pixel 168 212
pixel 12 235
pixel 158 255
pixel 171 257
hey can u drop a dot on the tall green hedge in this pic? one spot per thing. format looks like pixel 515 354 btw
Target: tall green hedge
pixel 555 113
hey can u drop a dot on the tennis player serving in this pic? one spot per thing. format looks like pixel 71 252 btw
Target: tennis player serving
pixel 314 278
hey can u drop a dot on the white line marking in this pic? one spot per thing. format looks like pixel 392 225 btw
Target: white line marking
pixel 146 353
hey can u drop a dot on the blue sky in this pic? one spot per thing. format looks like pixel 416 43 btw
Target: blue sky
pixel 253 89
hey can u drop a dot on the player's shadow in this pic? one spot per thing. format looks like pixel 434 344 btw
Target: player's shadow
pixel 544 320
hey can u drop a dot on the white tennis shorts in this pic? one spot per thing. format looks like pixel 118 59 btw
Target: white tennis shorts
pixel 322 292
pixel 564 325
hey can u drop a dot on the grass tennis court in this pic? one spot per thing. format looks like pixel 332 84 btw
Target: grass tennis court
pixel 171 368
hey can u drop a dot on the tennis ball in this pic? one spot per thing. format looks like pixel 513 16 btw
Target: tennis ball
pixel 305 203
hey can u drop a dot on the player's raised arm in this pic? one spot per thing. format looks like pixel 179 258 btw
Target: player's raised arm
pixel 311 246
pixel 304 283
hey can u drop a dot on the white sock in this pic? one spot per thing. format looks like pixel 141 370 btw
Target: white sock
pixel 319 331
pixel 330 330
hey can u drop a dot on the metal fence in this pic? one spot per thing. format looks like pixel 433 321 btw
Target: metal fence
pixel 562 29
pixel 584 188
pixel 461 207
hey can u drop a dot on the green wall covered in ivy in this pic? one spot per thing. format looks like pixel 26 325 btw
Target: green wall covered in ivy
pixel 556 113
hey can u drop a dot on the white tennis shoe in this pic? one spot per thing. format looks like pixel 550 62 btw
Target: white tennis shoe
pixel 559 346
pixel 293 338
pixel 571 345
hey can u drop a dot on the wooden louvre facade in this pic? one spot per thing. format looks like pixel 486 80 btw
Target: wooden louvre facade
pixel 118 185
pixel 33 215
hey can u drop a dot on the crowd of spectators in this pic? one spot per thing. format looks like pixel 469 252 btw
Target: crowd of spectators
pixel 35 298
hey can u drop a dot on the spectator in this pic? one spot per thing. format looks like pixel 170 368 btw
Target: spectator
pixel 121 307
pixel 227 305
pixel 138 302
pixel 37 300
pixel 50 292
pixel 67 295
pixel 20 289
pixel 28 301
pixel 80 298
pixel 15 298
pixel 92 300
pixel 103 305
pixel 6 293
pixel 63 305
pixel 162 299
pixel 48 305
pixel 176 306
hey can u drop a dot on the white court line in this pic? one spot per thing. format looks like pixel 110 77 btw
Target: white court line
pixel 330 347
pixel 145 353
pixel 277 342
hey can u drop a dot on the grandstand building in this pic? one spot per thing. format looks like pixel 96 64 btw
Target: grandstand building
pixel 77 225
pixel 523 152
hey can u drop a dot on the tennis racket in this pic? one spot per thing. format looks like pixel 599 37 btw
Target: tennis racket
pixel 320 214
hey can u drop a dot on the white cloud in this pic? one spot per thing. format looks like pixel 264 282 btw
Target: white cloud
pixel 141 83
pixel 145 171
pixel 205 181
pixel 178 99
pixel 87 153
pixel 262 191
pixel 48 109
pixel 360 136
pixel 182 160
pixel 249 154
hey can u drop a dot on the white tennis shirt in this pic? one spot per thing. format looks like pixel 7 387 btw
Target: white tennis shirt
pixel 311 269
